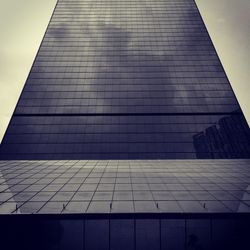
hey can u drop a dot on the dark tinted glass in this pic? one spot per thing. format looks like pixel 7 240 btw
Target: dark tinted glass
pixel 126 80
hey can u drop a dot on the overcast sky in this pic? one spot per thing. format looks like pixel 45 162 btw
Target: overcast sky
pixel 23 23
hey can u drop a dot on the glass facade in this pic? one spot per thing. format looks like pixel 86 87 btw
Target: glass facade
pixel 146 232
pixel 126 80
pixel 132 187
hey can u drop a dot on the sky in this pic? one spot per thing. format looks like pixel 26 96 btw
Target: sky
pixel 23 24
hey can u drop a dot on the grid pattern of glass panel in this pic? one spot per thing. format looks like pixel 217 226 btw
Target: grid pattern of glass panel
pixel 151 186
pixel 125 80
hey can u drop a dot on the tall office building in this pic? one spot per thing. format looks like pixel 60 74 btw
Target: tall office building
pixel 126 80
pixel 119 94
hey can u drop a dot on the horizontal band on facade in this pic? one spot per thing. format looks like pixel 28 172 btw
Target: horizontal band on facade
pixel 132 114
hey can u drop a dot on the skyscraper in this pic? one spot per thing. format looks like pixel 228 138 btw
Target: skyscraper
pixel 125 80
pixel 119 94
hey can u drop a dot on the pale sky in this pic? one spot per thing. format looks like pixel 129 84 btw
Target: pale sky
pixel 23 23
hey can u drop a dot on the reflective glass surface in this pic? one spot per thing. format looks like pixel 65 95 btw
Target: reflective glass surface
pixel 126 80
pixel 133 186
